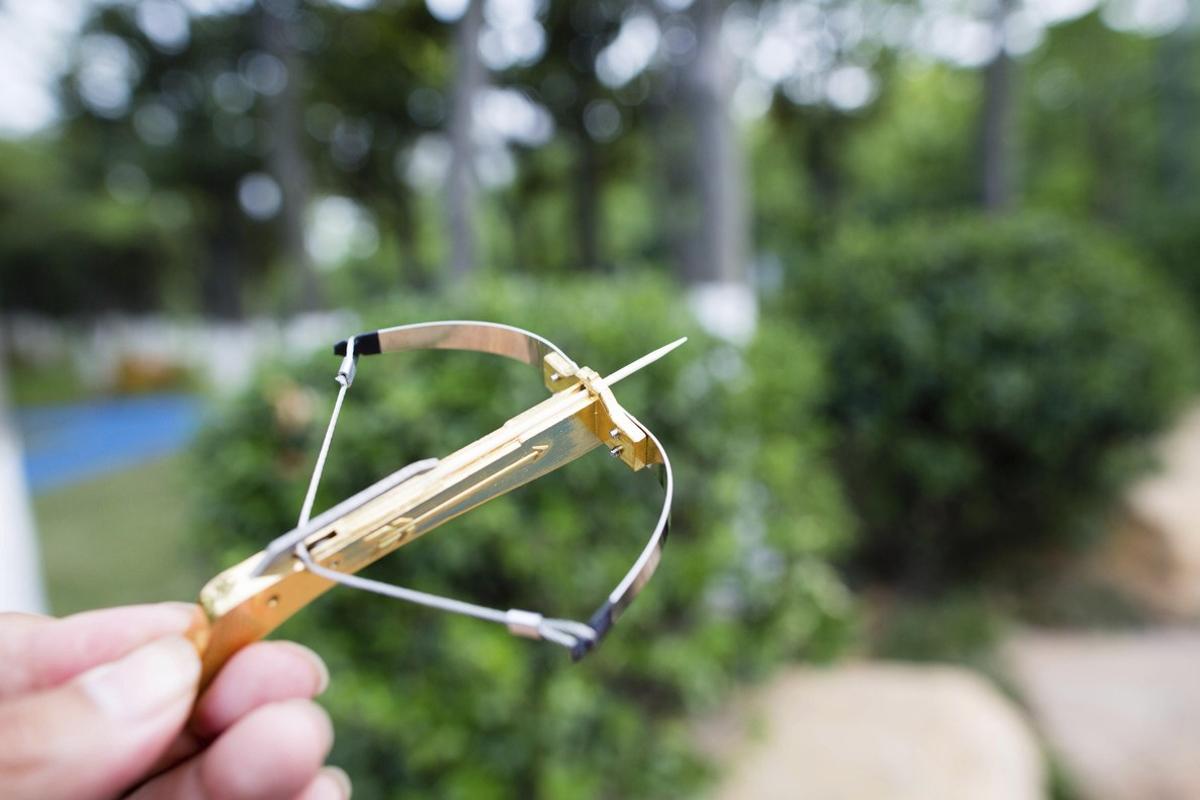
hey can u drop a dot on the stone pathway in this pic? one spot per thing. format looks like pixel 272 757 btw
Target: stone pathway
pixel 1120 711
pixel 1154 555
pixel 877 731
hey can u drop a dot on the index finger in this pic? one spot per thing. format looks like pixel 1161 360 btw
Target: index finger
pixel 41 652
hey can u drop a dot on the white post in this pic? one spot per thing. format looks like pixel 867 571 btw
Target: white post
pixel 20 568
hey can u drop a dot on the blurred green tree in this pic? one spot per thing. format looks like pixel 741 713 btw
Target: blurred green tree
pixel 173 114
pixel 223 116
pixel 63 250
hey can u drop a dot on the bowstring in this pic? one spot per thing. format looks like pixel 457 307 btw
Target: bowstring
pixel 345 377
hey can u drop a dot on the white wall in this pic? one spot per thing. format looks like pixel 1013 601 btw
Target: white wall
pixel 20 567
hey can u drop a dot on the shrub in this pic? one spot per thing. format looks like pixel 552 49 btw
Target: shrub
pixel 433 706
pixel 992 384
pixel 1170 239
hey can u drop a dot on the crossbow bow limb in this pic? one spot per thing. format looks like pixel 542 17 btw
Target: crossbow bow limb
pixel 248 601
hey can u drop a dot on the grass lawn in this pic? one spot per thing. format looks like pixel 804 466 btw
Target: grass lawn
pixel 43 384
pixel 119 539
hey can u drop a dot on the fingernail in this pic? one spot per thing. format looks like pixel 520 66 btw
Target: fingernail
pixel 339 776
pixel 318 665
pixel 145 681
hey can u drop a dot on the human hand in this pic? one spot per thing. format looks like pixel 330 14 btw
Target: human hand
pixel 103 703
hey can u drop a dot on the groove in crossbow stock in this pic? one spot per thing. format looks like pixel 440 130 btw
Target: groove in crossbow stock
pixel 248 601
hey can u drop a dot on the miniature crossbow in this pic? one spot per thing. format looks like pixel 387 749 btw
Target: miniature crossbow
pixel 246 602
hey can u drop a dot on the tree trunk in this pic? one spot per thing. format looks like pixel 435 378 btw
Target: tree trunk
pixel 1177 62
pixel 20 568
pixel 412 271
pixel 718 251
pixel 714 263
pixel 822 137
pixel 221 278
pixel 287 162
pixel 461 187
pixel 673 190
pixel 587 209
pixel 996 124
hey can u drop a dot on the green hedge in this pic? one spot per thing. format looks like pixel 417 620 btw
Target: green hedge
pixel 993 382
pixel 1170 240
pixel 432 706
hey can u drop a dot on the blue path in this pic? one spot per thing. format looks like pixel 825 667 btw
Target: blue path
pixel 68 443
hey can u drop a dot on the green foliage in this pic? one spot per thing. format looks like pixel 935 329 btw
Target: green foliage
pixel 433 706
pixel 140 515
pixel 916 153
pixel 44 383
pixel 961 628
pixel 1080 601
pixel 63 250
pixel 1097 130
pixel 1171 240
pixel 993 381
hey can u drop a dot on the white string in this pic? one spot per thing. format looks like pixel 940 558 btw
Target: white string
pixel 398 592
pixel 345 377
pixel 565 632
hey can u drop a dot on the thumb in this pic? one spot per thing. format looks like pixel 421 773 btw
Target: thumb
pixel 100 733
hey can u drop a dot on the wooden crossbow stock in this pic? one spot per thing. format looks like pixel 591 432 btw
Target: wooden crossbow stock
pixel 248 601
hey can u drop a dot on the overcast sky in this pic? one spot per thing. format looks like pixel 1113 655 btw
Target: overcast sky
pixel 34 47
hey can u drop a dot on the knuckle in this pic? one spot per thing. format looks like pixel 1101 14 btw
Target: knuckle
pixel 25 752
